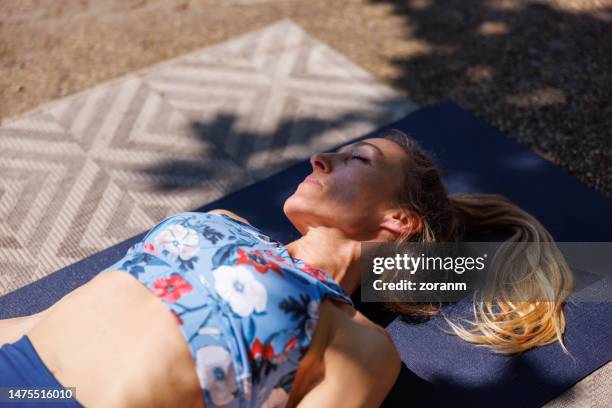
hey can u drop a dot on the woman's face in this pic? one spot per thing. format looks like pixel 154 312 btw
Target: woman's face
pixel 352 189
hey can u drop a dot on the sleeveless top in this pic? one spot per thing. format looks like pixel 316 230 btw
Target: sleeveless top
pixel 247 309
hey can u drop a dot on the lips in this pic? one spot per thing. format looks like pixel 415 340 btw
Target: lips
pixel 312 180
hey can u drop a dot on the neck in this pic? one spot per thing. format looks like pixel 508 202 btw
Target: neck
pixel 330 250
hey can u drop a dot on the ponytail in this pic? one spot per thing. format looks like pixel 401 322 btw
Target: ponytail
pixel 545 279
pixel 540 274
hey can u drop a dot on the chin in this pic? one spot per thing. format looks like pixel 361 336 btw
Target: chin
pixel 297 209
pixel 297 201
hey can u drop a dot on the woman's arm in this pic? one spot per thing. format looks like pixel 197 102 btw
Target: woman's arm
pixel 229 214
pixel 361 366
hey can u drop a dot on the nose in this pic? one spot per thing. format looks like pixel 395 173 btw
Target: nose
pixel 320 161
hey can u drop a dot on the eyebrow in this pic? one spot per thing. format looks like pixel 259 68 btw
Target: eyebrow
pixel 376 148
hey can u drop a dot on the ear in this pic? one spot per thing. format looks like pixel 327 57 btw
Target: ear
pixel 400 222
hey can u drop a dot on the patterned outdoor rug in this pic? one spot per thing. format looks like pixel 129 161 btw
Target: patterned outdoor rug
pixel 85 172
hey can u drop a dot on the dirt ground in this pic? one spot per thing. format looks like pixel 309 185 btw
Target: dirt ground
pixel 540 71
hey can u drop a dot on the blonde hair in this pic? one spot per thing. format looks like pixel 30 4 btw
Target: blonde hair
pixel 543 278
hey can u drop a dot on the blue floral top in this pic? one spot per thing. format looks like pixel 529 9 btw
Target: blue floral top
pixel 247 308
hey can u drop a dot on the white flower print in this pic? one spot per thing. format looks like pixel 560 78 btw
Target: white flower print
pixel 311 322
pixel 216 372
pixel 247 388
pixel 210 331
pixel 179 241
pixel 237 286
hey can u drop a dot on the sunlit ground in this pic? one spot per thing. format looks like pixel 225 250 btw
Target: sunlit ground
pixel 537 70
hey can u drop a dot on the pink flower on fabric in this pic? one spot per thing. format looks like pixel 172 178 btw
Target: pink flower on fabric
pixel 179 241
pixel 279 259
pixel 171 289
pixel 261 350
pixel 258 261
pixel 314 272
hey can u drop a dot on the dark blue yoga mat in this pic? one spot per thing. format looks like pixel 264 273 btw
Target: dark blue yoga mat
pixel 439 368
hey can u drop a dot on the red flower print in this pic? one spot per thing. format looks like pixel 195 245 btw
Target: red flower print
pixel 275 256
pixel 290 344
pixel 258 261
pixel 177 317
pixel 259 350
pixel 314 272
pixel 171 289
pixel 149 247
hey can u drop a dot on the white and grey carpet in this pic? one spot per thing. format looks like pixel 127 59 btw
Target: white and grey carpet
pixel 86 172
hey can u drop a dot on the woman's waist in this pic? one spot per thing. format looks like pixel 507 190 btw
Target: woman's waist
pixel 112 336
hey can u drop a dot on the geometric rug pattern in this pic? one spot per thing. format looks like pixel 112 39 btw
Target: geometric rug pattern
pixel 83 173
pixel 593 391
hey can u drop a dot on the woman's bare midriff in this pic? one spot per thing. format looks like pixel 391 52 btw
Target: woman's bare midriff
pixel 118 345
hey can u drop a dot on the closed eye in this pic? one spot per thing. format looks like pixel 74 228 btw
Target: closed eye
pixel 356 157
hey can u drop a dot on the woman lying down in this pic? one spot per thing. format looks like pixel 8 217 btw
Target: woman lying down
pixel 208 311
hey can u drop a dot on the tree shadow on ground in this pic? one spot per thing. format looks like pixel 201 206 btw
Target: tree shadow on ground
pixel 538 73
pixel 293 140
